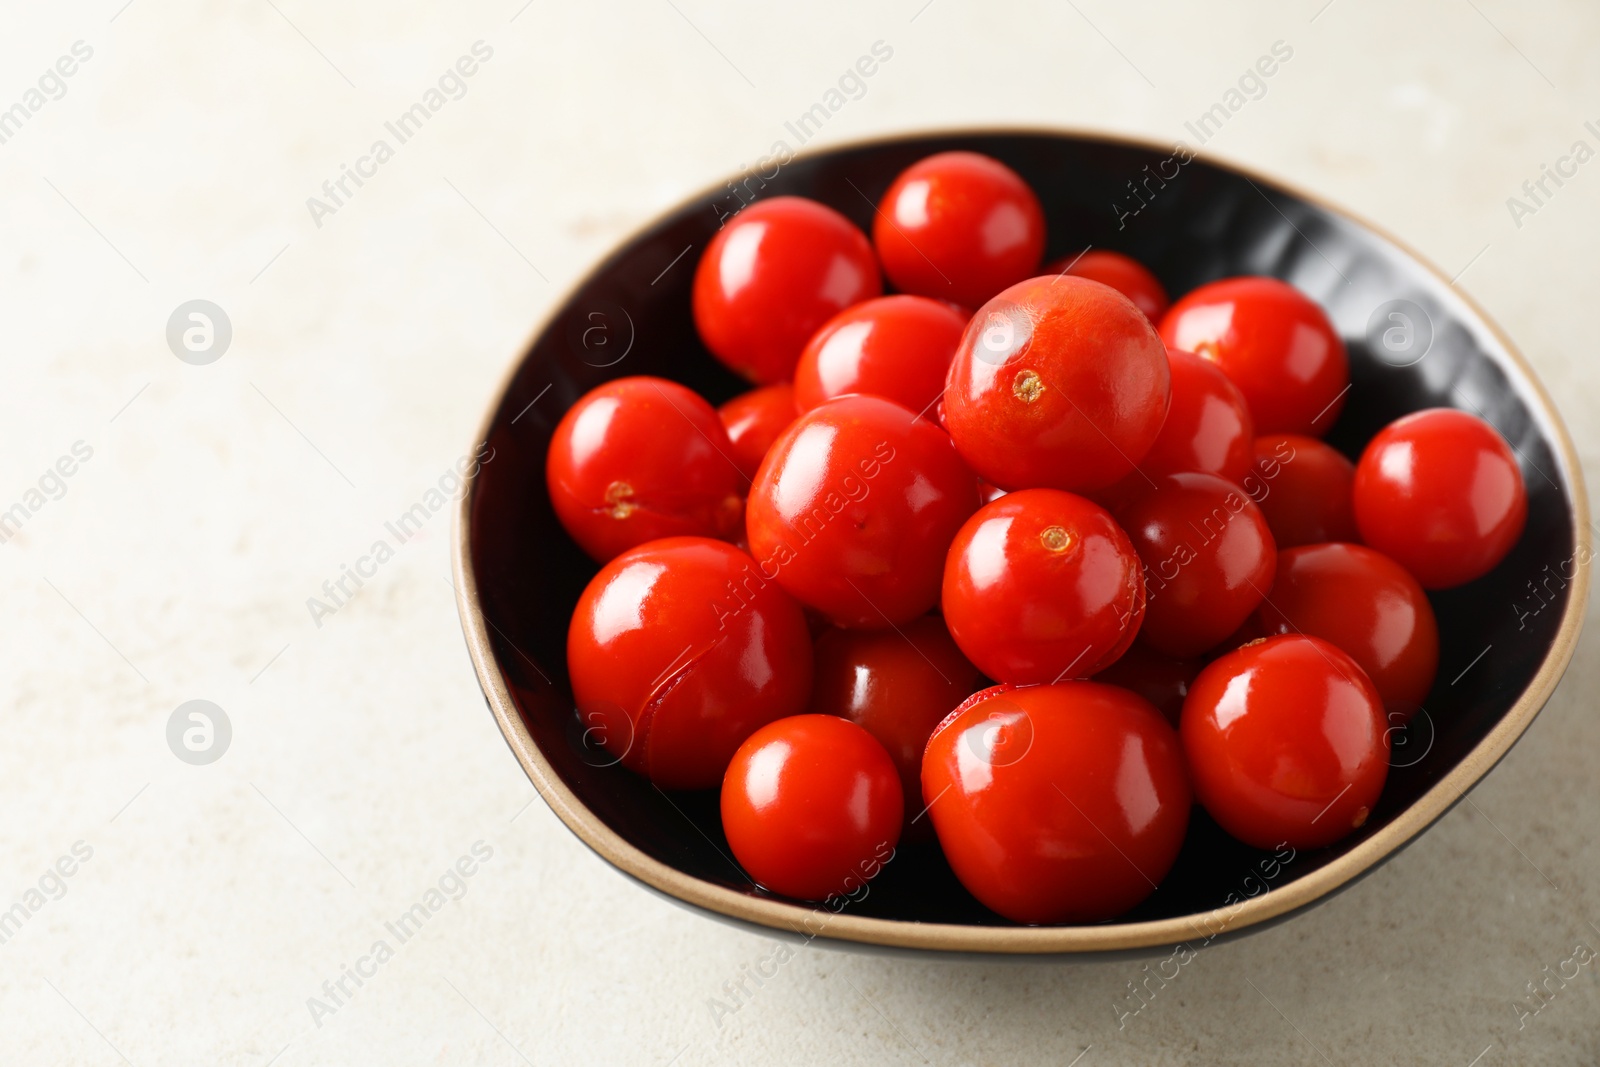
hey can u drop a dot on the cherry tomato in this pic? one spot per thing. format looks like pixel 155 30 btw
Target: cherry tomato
pixel 1368 605
pixel 771 276
pixel 1287 743
pixel 896 347
pixel 959 226
pixel 1041 585
pixel 853 508
pixel 812 807
pixel 1275 343
pixel 1161 679
pixel 1304 488
pixel 1057 803
pixel 897 685
pixel 679 650
pixel 1123 273
pixel 1059 383
pixel 754 420
pixel 1208 425
pixel 640 458
pixel 1208 559
pixel 1440 493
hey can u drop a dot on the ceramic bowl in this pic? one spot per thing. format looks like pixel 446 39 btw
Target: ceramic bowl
pixel 1505 639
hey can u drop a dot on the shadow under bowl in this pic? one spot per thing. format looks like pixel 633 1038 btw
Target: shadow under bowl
pixel 1505 639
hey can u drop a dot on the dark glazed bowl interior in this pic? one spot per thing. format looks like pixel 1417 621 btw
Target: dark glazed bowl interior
pixel 1503 640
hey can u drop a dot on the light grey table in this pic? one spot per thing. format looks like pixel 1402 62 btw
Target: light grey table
pixel 212 910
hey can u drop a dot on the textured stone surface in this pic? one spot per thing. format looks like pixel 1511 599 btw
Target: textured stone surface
pixel 363 764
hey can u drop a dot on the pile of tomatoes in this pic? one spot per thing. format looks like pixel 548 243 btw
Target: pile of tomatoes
pixel 1020 560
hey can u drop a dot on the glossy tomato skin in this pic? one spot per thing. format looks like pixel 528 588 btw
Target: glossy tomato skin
pixel 897 685
pixel 754 420
pixel 1059 383
pixel 812 806
pixel 1366 604
pixel 1123 273
pixel 1208 425
pixel 1440 493
pixel 771 276
pixel 1287 742
pixel 853 508
pixel 640 458
pixel 678 650
pixel 958 226
pixel 896 347
pixel 1058 803
pixel 1208 429
pixel 1041 585
pixel 1161 679
pixel 1305 489
pixel 1275 344
pixel 1208 557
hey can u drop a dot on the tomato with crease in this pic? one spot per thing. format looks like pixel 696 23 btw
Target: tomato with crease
pixel 1042 585
pixel 1305 489
pixel 1287 742
pixel 754 420
pixel 1059 383
pixel 1208 558
pixel 1123 273
pixel 897 685
pixel 1057 803
pixel 811 806
pixel 958 226
pixel 1440 493
pixel 1367 604
pixel 853 508
pixel 771 276
pixel 896 347
pixel 1274 342
pixel 640 458
pixel 671 672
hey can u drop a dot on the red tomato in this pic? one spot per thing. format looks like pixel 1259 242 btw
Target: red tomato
pixel 1277 346
pixel 1123 273
pixel 811 806
pixel 640 458
pixel 959 226
pixel 1057 803
pixel 1059 383
pixel 1368 605
pixel 1208 559
pixel 754 420
pixel 770 277
pixel 898 685
pixel 896 347
pixel 1287 743
pixel 1208 425
pixel 1304 488
pixel 1161 679
pixel 853 508
pixel 1041 585
pixel 1440 493
pixel 679 650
